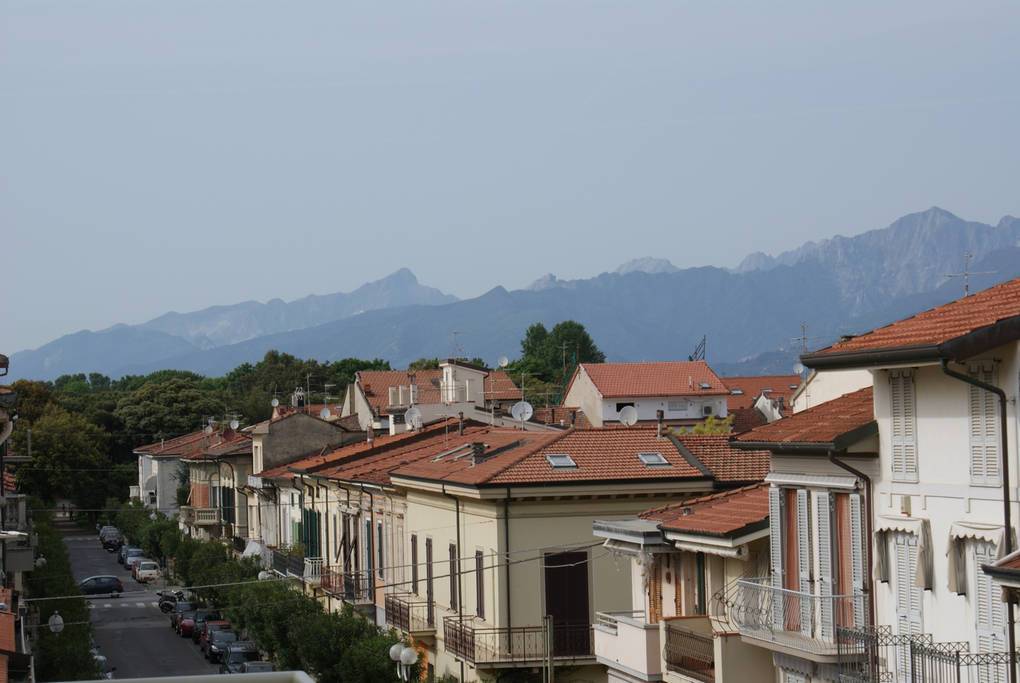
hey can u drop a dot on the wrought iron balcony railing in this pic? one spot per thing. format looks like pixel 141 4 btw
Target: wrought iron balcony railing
pixel 471 640
pixel 409 614
pixel 801 621
pixel 354 587
pixel 688 653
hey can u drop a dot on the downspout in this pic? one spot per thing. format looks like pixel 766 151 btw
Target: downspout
pixel 506 536
pixel 460 588
pixel 1007 523
pixel 868 511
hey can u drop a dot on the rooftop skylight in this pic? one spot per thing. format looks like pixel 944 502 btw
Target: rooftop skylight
pixel 561 461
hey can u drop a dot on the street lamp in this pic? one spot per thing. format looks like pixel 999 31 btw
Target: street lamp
pixel 56 622
pixel 405 658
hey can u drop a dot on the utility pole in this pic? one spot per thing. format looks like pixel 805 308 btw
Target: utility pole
pixel 967 272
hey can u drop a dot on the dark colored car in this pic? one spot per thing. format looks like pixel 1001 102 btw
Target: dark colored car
pixel 237 655
pixel 257 667
pixel 201 620
pixel 124 549
pixel 217 643
pixel 101 585
pixel 112 541
pixel 178 611
pixel 189 628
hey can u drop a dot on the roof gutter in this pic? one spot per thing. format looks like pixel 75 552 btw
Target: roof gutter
pixel 1007 539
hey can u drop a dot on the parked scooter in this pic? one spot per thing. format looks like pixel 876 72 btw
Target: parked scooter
pixel 168 599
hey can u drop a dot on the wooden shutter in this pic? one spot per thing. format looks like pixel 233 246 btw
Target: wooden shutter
pixel 414 563
pixel 776 550
pixel 678 585
pixel 984 428
pixel 908 595
pixel 804 560
pixel 857 558
pixel 654 591
pixel 823 514
pixel 454 578
pixel 989 612
pixel 479 584
pixel 904 426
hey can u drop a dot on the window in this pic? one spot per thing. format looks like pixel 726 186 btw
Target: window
pixel 429 588
pixel 414 563
pixel 705 385
pixel 560 460
pixel 380 544
pixel 621 406
pixel 737 392
pixel 989 610
pixel 479 584
pixel 902 398
pixel 707 410
pixel 454 577
pixel 677 406
pixel 368 549
pixel 652 459
pixel 984 428
pixel 700 606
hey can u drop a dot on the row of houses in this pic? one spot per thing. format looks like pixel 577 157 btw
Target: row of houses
pixel 854 526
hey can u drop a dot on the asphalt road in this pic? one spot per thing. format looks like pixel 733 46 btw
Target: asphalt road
pixel 130 631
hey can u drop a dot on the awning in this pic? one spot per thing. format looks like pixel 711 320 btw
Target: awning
pixel 824 481
pixel 959 532
pixel 919 527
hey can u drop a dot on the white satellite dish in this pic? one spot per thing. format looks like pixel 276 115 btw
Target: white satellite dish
pixel 798 369
pixel 522 411
pixel 628 416
pixel 503 361
pixel 324 413
pixel 413 417
pixel 275 402
pixel 234 424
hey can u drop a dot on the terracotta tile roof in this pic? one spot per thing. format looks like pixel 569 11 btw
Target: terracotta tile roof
pixel 376 384
pixel 727 464
pixel 750 388
pixel 561 415
pixel 180 446
pixel 669 378
pixel 938 325
pixel 223 444
pixel 729 513
pixel 823 424
pixel 745 419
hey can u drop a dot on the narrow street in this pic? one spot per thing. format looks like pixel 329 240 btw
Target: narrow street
pixel 130 631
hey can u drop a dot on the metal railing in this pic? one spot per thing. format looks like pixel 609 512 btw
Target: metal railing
pixel 949 663
pixel 794 619
pixel 354 587
pixel 689 653
pixel 480 645
pixel 312 570
pixel 409 613
pixel 287 564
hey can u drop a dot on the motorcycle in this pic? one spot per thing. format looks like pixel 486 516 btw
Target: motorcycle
pixel 169 599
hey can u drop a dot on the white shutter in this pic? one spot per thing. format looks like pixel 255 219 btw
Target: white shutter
pixel 776 552
pixel 857 558
pixel 989 611
pixel 984 428
pixel 904 426
pixel 908 597
pixel 804 561
pixel 823 513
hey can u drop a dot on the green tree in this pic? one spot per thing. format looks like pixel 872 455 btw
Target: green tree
pixel 710 425
pixel 33 398
pixel 550 356
pixel 166 409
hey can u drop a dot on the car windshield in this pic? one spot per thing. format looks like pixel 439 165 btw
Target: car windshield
pixel 238 656
pixel 188 615
pixel 224 637
pixel 259 666
pixel 202 615
pixel 185 607
pixel 134 552
pixel 149 565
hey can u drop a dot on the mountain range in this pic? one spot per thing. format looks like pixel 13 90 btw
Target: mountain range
pixel 646 309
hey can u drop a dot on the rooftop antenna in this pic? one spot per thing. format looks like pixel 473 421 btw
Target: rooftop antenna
pixel 699 350
pixel 412 417
pixel 458 350
pixel 803 338
pixel 628 416
pixel 522 412
pixel 967 272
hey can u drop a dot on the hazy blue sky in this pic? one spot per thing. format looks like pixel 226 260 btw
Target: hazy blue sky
pixel 173 154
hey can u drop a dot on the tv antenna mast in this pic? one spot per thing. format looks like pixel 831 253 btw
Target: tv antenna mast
pixel 967 272
pixel 458 350
pixel 699 350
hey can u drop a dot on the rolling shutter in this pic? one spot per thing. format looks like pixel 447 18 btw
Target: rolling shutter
pixel 904 426
pixel 776 551
pixel 804 560
pixel 823 513
pixel 984 428
pixel 857 558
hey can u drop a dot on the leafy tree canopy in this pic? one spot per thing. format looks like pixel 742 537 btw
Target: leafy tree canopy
pixel 550 356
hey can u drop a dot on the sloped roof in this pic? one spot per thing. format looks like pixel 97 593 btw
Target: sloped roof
pixel 729 513
pixel 497 386
pixel 727 463
pixel 751 387
pixel 666 378
pixel 825 425
pixel 223 444
pixel 181 446
pixel 955 330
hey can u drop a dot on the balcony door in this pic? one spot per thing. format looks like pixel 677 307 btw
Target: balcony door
pixel 566 601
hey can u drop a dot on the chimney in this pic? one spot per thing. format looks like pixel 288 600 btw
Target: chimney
pixel 370 434
pixel 658 423
pixel 460 423
pixel 573 419
pixel 477 452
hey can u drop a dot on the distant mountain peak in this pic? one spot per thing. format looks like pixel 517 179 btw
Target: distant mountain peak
pixel 402 276
pixel 648 264
pixel 547 281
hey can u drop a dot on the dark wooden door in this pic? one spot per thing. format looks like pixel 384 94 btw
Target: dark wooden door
pixel 566 601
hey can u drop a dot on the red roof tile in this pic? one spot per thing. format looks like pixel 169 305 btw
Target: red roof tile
pixel 750 388
pixel 938 325
pixel 823 424
pixel 180 446
pixel 498 386
pixel 727 464
pixel 670 378
pixel 223 444
pixel 729 513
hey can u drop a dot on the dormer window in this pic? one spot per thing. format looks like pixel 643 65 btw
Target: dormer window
pixel 561 461
pixel 737 392
pixel 705 385
pixel 653 459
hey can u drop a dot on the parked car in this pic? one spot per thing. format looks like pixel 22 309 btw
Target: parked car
pixel 186 624
pixel 208 627
pixel 256 667
pixel 217 643
pixel 178 611
pixel 146 571
pixel 122 553
pixel 201 616
pixel 134 556
pixel 237 655
pixel 101 585
pixel 108 528
pixel 111 539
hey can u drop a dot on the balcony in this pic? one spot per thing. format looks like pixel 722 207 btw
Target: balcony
pixel 312 571
pixel 625 640
pixel 799 623
pixel 193 516
pixel 410 614
pixel 489 646
pixel 690 648
pixel 357 588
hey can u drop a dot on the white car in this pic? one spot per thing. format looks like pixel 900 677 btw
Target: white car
pixel 146 571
